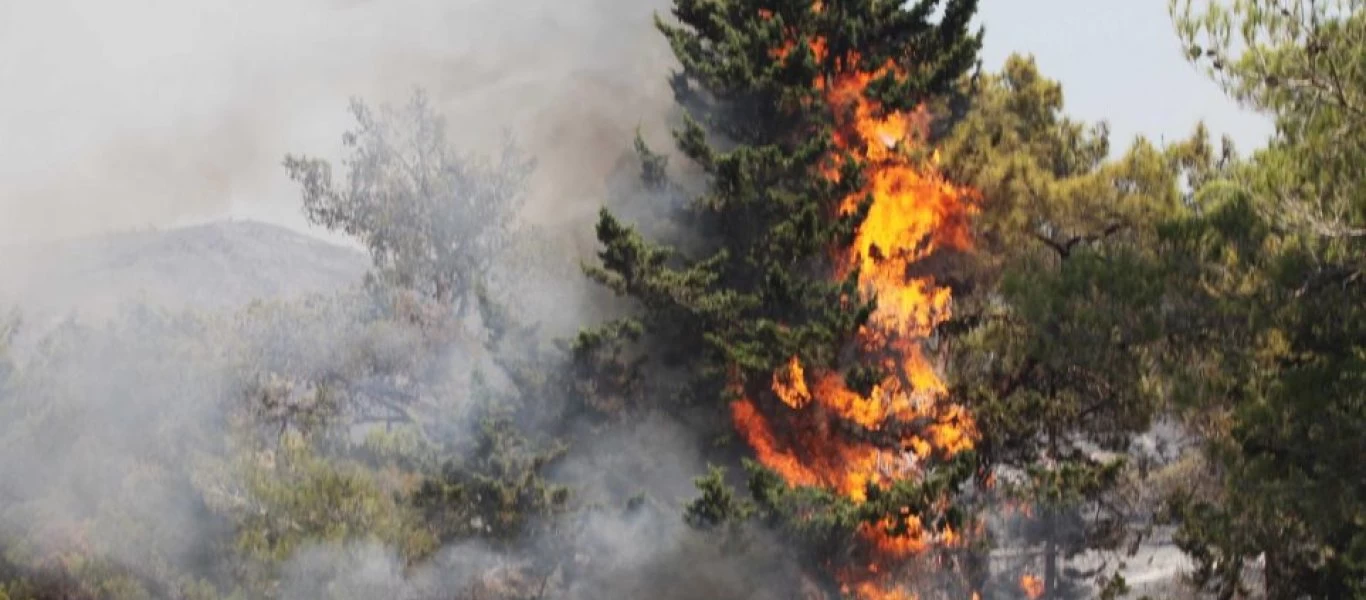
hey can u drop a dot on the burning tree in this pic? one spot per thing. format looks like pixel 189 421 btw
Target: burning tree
pixel 803 305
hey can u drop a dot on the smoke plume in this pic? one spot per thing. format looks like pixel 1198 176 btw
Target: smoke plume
pixel 142 113
pixel 149 113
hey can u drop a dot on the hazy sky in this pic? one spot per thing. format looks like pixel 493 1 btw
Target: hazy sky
pixel 131 113
pixel 1118 60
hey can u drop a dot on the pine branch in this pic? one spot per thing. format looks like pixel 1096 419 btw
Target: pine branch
pixel 1064 249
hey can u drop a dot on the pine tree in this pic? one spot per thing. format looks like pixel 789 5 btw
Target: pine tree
pixel 1272 268
pixel 1053 343
pixel 760 129
pixel 771 89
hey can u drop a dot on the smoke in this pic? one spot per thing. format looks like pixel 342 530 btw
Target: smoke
pixel 646 550
pixel 143 113
pixel 619 550
pixel 99 428
pixel 151 113
pixel 638 556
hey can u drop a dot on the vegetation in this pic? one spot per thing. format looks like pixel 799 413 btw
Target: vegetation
pixel 1053 343
pixel 914 316
pixel 786 183
pixel 1272 263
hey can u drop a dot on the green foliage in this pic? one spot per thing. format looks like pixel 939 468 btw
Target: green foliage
pixel 436 224
pixel 1272 264
pixel 186 455
pixel 193 456
pixel 717 505
pixel 607 375
pixel 758 294
pixel 829 519
pixel 496 491
pixel 1054 342
pixel 290 496
pixel 754 290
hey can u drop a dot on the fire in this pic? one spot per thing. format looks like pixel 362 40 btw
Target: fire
pixel 869 590
pixel 790 385
pixel 1032 586
pixel 914 212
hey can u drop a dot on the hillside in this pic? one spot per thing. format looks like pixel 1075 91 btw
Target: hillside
pixel 215 265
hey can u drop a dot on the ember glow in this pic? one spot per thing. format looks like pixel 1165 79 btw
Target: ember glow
pixel 914 212
pixel 1032 585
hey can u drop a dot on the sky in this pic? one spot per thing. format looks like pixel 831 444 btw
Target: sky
pixel 148 113
pixel 1119 61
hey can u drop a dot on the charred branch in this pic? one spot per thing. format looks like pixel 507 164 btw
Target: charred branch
pixel 1064 248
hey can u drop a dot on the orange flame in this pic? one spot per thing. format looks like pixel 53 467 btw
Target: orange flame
pixel 914 212
pixel 790 385
pixel 1032 585
pixel 874 592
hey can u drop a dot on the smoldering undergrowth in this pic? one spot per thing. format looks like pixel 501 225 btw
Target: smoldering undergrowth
pixel 374 441
pixel 303 447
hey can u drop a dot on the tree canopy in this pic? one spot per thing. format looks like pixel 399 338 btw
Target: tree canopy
pixel 1273 261
pixel 889 325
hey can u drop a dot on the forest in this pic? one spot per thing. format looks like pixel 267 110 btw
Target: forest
pixel 876 324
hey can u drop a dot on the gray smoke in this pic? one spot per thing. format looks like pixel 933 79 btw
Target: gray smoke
pixel 643 550
pixel 140 113
pixel 153 114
